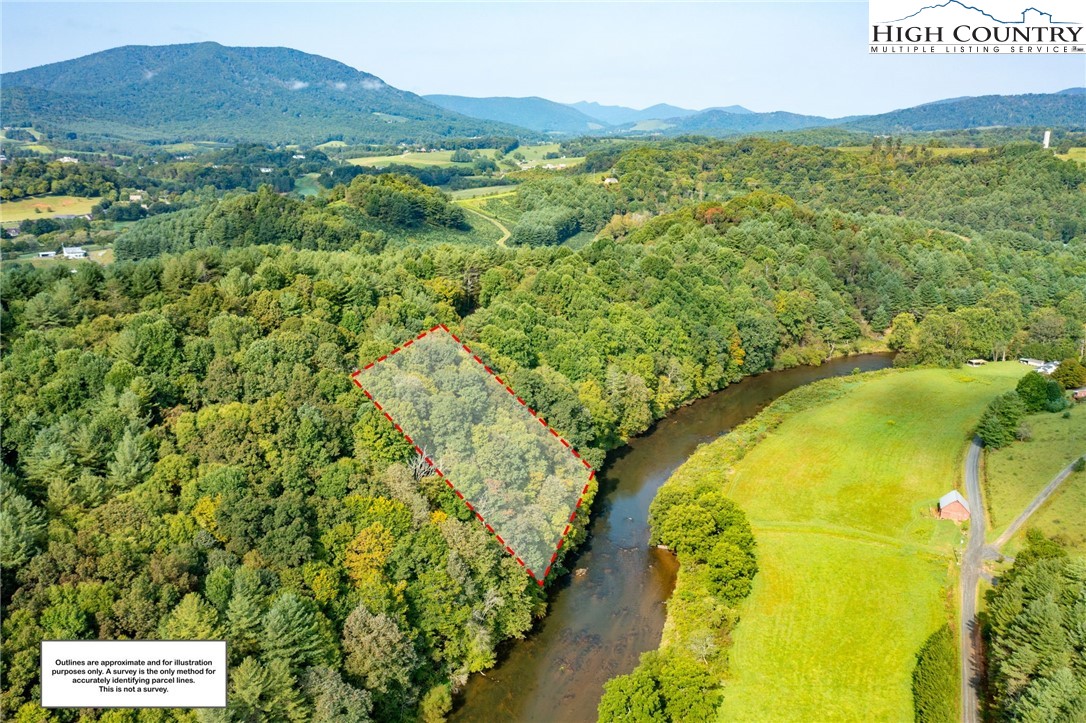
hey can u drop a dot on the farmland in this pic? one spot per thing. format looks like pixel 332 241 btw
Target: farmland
pixel 45 207
pixel 533 156
pixel 1074 154
pixel 839 492
pixel 1016 473
pixel 419 159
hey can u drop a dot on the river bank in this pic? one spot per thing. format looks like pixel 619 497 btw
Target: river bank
pixel 602 619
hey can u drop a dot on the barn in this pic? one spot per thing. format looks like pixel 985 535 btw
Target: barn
pixel 952 506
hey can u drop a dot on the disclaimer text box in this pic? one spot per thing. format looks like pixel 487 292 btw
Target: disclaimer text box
pixel 133 673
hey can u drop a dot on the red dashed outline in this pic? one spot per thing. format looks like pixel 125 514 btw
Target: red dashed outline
pixel 467 503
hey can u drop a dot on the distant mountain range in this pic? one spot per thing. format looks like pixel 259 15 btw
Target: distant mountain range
pixel 537 114
pixel 616 115
pixel 1065 109
pixel 206 91
pixel 548 116
pixel 209 91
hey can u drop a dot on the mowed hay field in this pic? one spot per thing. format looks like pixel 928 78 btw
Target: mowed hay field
pixel 419 159
pixel 854 573
pixel 45 207
pixel 1074 154
pixel 1015 474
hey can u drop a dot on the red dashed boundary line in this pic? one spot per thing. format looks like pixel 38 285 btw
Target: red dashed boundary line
pixel 467 503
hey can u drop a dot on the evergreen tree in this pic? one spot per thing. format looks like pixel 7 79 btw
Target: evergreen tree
pixel 292 632
pixel 935 679
pixel 131 463
pixel 22 528
pixel 243 617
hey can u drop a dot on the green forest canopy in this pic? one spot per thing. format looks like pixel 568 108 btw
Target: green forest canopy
pixel 184 454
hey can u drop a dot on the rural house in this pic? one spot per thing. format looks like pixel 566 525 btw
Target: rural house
pixel 952 506
pixel 74 252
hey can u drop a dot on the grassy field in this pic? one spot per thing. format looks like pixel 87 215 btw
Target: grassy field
pixel 45 207
pixel 1075 154
pixel 465 193
pixel 420 160
pixel 818 649
pixel 855 573
pixel 533 156
pixel 307 185
pixel 1015 474
pixel 97 254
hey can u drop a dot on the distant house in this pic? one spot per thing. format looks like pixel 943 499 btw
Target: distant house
pixel 73 252
pixel 1079 395
pixel 135 197
pixel 265 170
pixel 298 156
pixel 46 254
pixel 976 362
pixel 610 181
pixel 67 159
pixel 952 506
pixel 1031 362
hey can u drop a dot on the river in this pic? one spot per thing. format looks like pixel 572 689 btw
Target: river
pixel 600 622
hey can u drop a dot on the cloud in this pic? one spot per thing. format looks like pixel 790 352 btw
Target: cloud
pixel 372 84
pixel 148 74
pixel 340 85
pixel 297 84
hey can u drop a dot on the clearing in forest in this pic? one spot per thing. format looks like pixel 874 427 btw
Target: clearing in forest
pixel 1015 474
pixel 521 479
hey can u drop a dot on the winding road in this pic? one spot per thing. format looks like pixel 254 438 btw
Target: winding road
pixel 471 208
pixel 976 553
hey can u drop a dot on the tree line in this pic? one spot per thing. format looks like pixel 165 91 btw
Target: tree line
pixel 185 455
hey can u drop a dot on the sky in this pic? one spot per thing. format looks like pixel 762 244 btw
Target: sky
pixel 805 57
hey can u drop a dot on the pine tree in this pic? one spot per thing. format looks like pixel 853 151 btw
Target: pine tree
pixel 192 619
pixel 243 618
pixel 131 462
pixel 292 632
pixel 22 526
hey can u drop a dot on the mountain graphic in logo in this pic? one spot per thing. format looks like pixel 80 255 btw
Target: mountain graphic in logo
pixel 1029 16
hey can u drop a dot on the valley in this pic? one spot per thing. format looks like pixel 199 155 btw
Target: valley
pixel 766 337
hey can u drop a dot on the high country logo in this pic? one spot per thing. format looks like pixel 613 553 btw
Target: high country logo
pixel 980 26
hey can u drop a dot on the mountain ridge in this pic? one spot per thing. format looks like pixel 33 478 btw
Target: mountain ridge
pixel 208 90
pixel 532 112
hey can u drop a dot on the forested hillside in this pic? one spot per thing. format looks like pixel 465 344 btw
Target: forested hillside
pixel 211 92
pixel 1018 187
pixel 185 457
pixel 1066 109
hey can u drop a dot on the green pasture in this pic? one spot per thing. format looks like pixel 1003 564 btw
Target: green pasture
pixel 1074 154
pixel 855 572
pixel 1015 474
pixel 45 207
